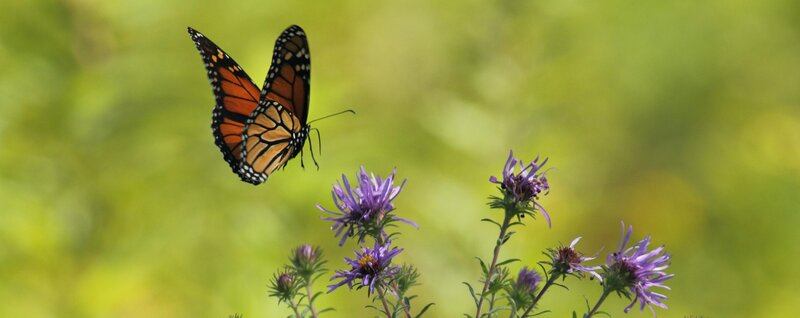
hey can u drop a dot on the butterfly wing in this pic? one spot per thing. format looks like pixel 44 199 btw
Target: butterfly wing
pixel 236 98
pixel 276 130
pixel 270 139
pixel 289 75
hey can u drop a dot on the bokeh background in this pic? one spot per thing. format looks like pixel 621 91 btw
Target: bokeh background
pixel 681 118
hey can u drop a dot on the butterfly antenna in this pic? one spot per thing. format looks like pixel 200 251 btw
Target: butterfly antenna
pixel 331 115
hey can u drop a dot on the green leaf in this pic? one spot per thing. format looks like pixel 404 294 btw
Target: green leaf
pixel 483 266
pixel 497 309
pixel 471 292
pixel 325 310
pixel 424 309
pixel 377 309
pixel 508 236
pixel 492 221
pixel 507 261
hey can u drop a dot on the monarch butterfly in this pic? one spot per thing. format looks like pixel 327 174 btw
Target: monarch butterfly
pixel 258 135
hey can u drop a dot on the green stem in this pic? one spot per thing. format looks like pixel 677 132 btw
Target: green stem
pixel 500 238
pixel 599 301
pixel 491 304
pixel 310 299
pixel 294 308
pixel 382 296
pixel 379 240
pixel 541 293
pixel 400 301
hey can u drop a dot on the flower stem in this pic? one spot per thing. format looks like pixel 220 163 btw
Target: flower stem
pixel 310 299
pixel 491 304
pixel 599 301
pixel 294 308
pixel 400 301
pixel 549 282
pixel 500 238
pixel 382 296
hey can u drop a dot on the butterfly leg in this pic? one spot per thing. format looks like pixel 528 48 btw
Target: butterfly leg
pixel 302 164
pixel 311 148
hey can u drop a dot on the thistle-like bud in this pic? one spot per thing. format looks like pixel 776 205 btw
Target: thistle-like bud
pixel 284 286
pixel 306 261
pixel 522 290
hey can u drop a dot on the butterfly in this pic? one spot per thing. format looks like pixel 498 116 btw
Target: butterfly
pixel 258 131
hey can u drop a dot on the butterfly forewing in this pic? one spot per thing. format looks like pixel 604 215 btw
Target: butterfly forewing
pixel 277 129
pixel 289 77
pixel 236 98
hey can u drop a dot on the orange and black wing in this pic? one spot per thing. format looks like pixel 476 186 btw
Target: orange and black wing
pixel 290 73
pixel 271 137
pixel 277 129
pixel 236 98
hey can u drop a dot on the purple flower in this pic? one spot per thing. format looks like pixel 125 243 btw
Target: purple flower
pixel 285 280
pixel 371 266
pixel 566 260
pixel 638 270
pixel 305 254
pixel 521 291
pixel 527 281
pixel 364 210
pixel 523 188
pixel 306 260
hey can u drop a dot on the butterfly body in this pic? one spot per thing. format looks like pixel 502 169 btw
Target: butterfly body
pixel 259 130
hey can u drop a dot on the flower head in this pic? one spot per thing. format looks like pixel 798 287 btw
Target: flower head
pixel 527 280
pixel 284 285
pixel 566 260
pixel 306 260
pixel 521 189
pixel 364 210
pixel 635 270
pixel 521 290
pixel 372 266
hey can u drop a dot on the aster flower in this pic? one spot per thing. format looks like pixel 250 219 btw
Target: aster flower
pixel 372 266
pixel 521 189
pixel 306 260
pixel 566 260
pixel 635 270
pixel 522 289
pixel 527 280
pixel 364 210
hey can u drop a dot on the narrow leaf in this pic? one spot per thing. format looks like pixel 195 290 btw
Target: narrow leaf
pixel 471 292
pixel 424 309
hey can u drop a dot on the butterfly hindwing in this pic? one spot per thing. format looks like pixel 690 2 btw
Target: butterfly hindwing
pixel 235 94
pixel 271 137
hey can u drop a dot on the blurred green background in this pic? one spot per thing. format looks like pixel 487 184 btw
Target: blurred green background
pixel 681 118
